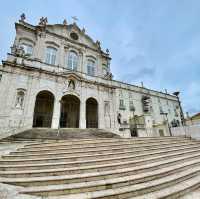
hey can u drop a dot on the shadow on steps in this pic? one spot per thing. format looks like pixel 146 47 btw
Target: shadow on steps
pixel 65 133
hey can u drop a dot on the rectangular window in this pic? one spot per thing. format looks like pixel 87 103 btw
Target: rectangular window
pixel 91 67
pixel 50 56
pixel 161 110
pixel 72 63
pixel 131 106
pixel 121 104
pixel 130 95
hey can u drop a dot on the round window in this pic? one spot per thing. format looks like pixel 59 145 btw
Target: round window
pixel 74 36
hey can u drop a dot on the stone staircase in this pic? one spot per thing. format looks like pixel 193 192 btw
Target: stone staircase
pixel 63 134
pixel 141 168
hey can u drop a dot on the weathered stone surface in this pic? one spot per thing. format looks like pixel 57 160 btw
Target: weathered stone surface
pixel 142 168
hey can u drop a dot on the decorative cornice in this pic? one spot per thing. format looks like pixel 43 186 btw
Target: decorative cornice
pixel 57 74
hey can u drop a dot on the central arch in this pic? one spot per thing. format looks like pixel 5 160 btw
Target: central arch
pixel 70 111
pixel 91 113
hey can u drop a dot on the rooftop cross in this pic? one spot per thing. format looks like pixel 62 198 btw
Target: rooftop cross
pixel 75 18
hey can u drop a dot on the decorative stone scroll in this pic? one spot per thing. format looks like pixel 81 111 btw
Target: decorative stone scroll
pixel 43 21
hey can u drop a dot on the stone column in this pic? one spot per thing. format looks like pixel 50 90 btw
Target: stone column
pixel 40 48
pixel 56 114
pixel 101 123
pixel 82 120
pixel 62 56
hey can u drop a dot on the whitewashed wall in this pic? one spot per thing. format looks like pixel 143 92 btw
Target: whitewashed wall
pixel 189 131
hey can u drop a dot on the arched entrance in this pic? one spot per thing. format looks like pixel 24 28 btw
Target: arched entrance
pixel 91 113
pixel 43 109
pixel 70 108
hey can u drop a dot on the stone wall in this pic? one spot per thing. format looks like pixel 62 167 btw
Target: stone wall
pixel 188 131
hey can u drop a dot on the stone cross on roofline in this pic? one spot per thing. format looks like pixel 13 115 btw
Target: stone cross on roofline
pixel 74 19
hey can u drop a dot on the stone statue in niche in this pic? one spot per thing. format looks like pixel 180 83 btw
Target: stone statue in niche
pixel 71 85
pixel 106 108
pixel 19 99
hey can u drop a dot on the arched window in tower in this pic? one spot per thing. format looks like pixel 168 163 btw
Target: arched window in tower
pixel 51 55
pixel 90 67
pixel 72 61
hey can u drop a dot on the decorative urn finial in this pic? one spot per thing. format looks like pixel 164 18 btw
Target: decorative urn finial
pixel 22 17
pixel 83 30
pixel 98 44
pixel 43 21
pixel 65 22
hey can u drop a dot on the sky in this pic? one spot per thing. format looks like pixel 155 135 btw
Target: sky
pixel 151 41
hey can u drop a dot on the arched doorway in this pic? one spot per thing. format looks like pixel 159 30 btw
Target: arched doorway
pixel 91 113
pixel 43 109
pixel 70 108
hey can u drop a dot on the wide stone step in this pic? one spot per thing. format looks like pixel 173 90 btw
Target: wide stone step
pixel 170 192
pixel 91 168
pixel 112 152
pixel 123 187
pixel 94 160
pixel 97 143
pixel 102 149
pixel 149 172
pixel 96 168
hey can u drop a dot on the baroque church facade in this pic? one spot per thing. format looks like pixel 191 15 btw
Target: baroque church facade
pixel 56 76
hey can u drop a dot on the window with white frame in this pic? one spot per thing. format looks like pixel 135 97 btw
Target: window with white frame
pixel 72 63
pixel 90 67
pixel 51 55
pixel 28 49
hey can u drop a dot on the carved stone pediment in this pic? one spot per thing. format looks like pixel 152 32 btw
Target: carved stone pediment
pixel 72 75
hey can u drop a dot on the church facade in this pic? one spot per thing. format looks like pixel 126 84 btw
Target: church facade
pixel 56 76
